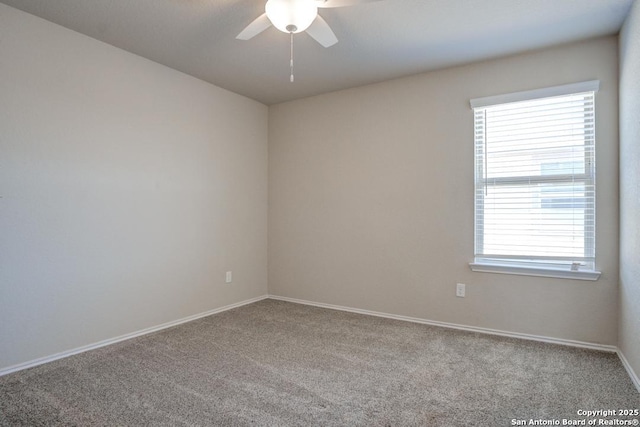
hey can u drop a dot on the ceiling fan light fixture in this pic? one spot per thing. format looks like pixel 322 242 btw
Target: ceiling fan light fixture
pixel 291 16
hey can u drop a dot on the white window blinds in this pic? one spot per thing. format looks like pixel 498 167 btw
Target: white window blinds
pixel 535 178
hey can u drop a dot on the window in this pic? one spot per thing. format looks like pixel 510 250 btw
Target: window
pixel 535 182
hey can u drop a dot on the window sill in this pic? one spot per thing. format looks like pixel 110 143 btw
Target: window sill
pixel 532 271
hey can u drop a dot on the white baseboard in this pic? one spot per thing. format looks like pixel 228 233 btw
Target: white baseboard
pixel 630 371
pixel 110 341
pixel 572 343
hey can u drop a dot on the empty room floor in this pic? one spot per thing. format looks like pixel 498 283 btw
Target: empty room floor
pixel 275 363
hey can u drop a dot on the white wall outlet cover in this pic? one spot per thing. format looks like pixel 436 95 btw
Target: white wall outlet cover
pixel 228 277
pixel 460 289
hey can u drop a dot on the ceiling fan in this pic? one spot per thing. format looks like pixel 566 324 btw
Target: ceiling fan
pixel 295 16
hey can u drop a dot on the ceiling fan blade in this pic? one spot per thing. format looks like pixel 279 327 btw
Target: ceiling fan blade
pixel 256 27
pixel 321 32
pixel 341 3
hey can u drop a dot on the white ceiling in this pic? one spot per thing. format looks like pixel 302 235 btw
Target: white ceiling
pixel 377 41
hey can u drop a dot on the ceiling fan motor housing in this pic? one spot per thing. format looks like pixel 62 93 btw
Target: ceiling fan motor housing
pixel 291 16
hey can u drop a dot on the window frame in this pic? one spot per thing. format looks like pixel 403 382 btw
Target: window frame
pixel 488 264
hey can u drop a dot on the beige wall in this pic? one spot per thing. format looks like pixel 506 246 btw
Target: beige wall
pixel 629 335
pixel 128 189
pixel 371 199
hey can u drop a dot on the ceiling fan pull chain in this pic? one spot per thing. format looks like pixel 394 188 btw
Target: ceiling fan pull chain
pixel 291 63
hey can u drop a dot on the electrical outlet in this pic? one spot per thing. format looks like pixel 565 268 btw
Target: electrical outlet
pixel 228 277
pixel 460 290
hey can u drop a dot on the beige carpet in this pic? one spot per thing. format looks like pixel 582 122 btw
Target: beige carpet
pixel 274 363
